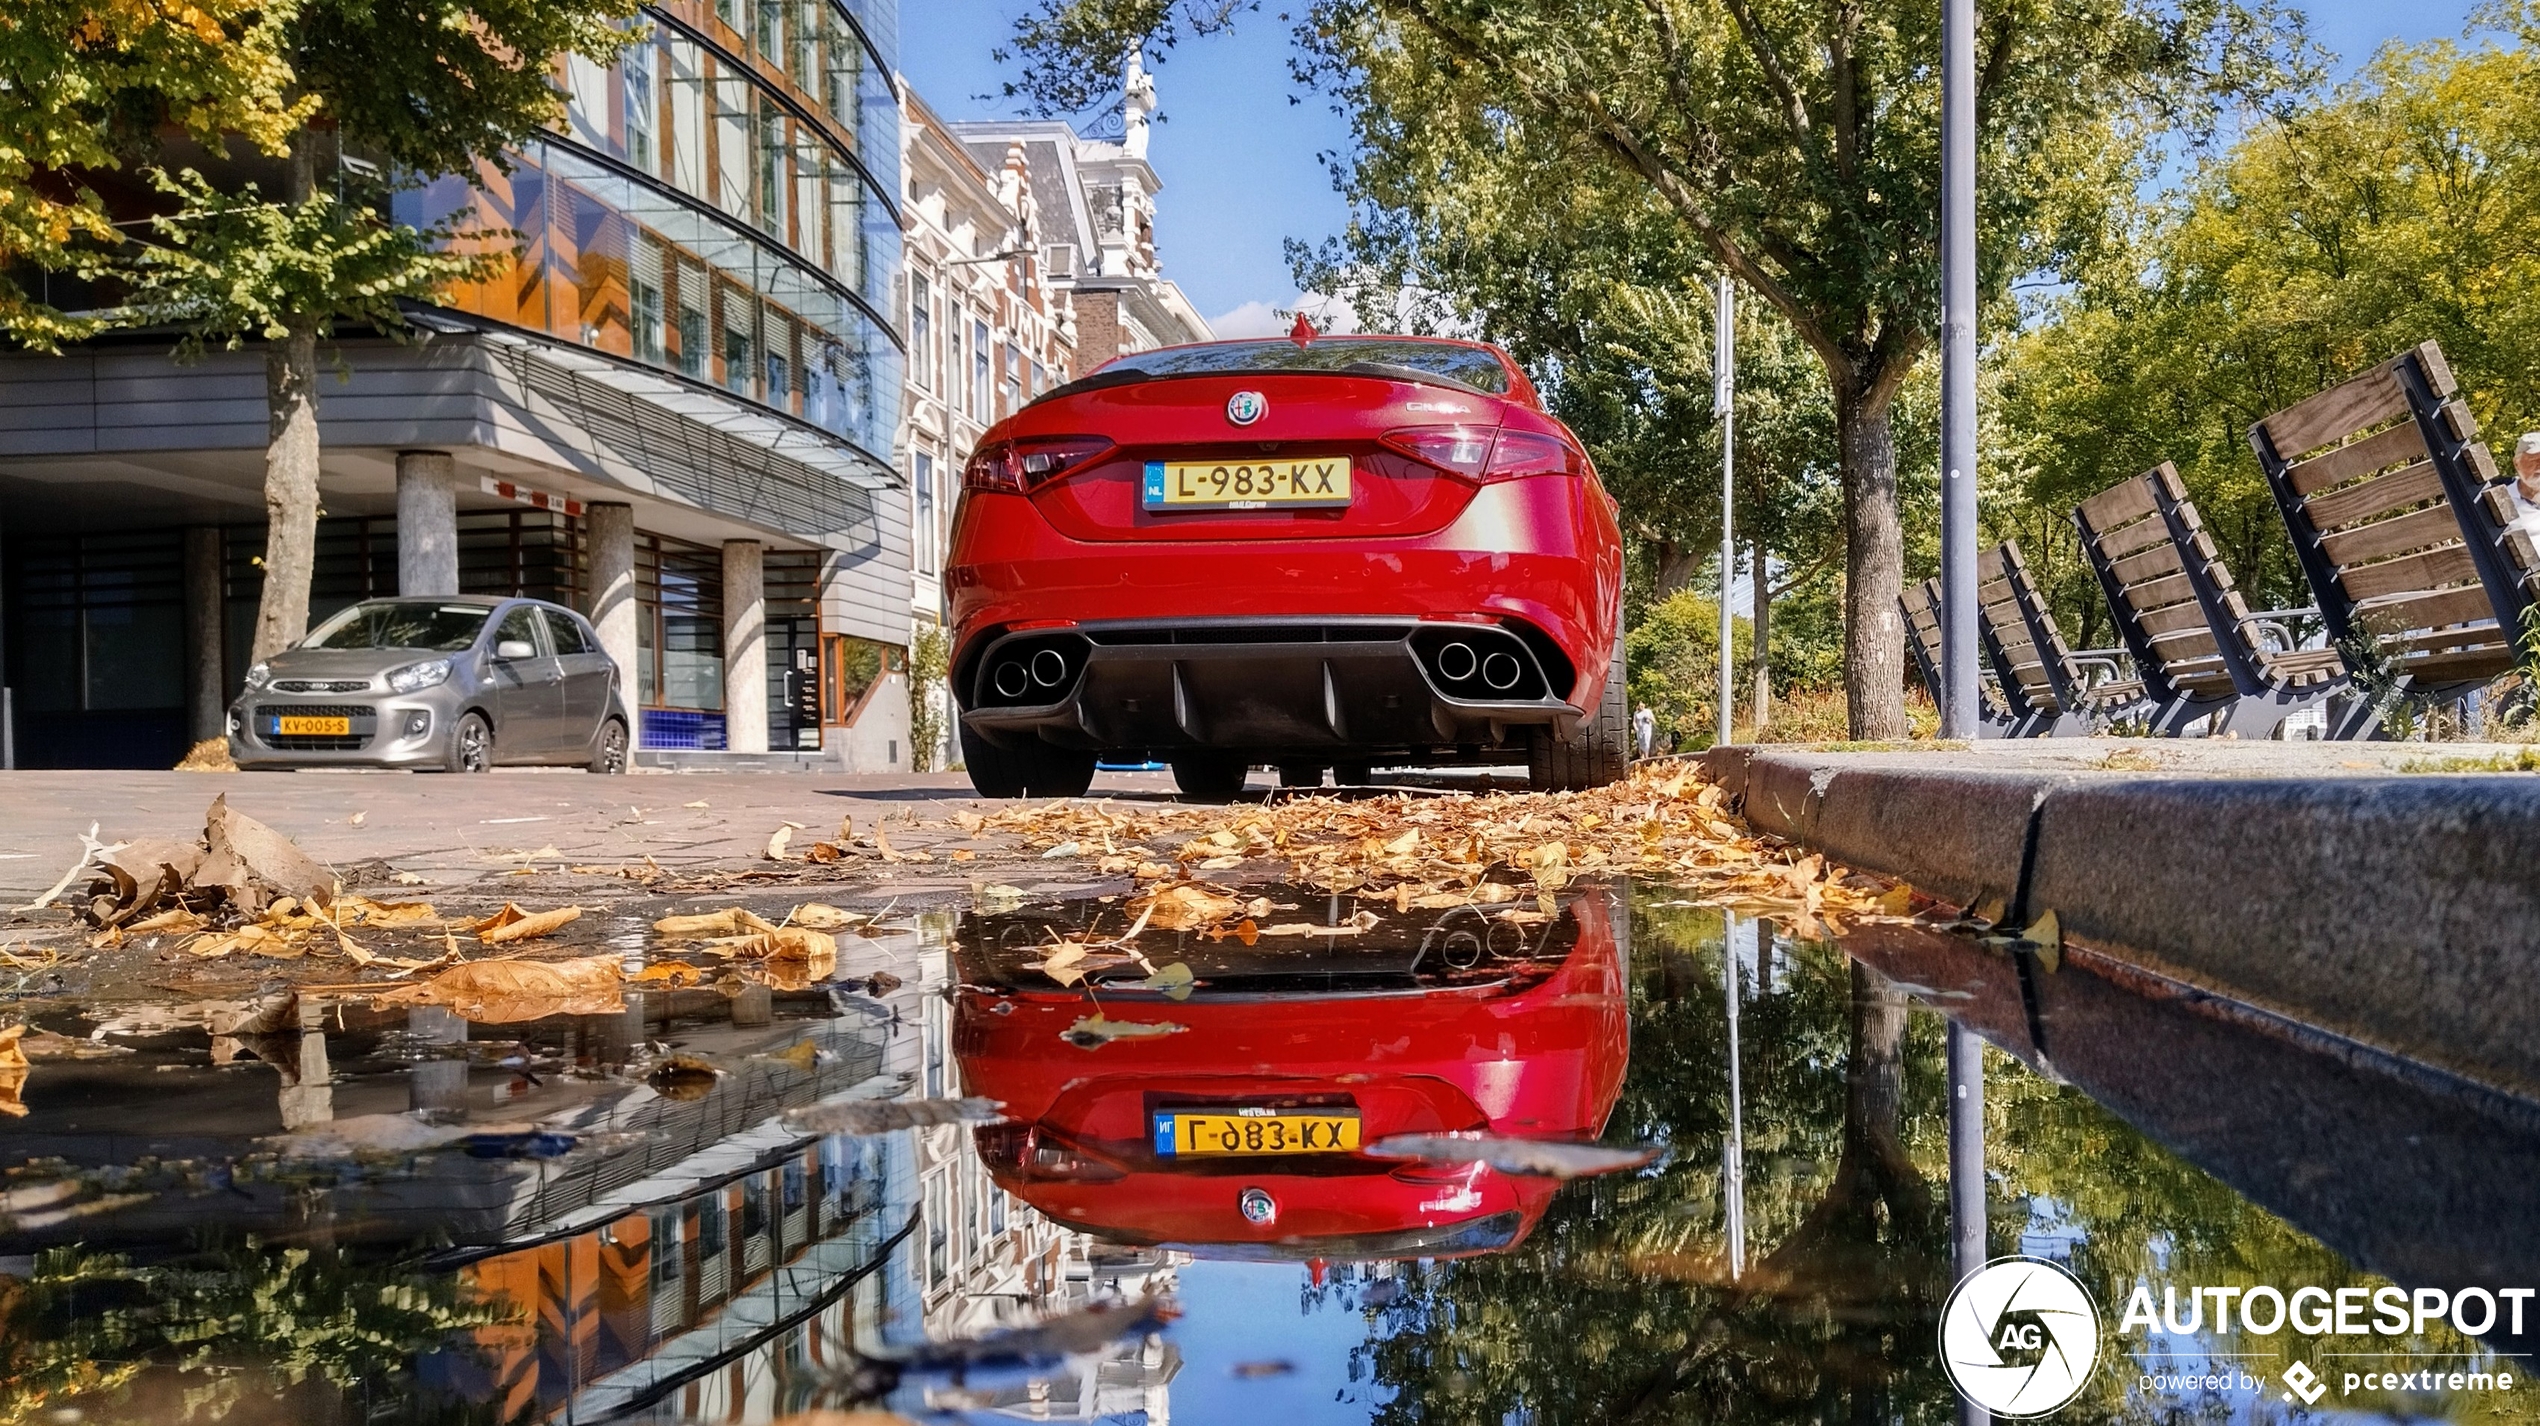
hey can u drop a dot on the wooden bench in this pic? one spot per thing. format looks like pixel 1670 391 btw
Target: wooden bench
pixel 2399 518
pixel 2051 686
pixel 2196 646
pixel 1920 604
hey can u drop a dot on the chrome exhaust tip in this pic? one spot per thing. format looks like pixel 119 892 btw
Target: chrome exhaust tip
pixel 1501 671
pixel 1457 661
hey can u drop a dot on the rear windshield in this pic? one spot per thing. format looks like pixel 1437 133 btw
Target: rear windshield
pixel 401 624
pixel 1464 366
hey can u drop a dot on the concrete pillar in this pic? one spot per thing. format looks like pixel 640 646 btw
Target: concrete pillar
pixel 206 701
pixel 744 647
pixel 609 530
pixel 427 523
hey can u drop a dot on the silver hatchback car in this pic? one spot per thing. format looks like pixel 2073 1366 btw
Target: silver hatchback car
pixel 453 685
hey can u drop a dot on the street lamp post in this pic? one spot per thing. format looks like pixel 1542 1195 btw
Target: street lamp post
pixel 1724 406
pixel 1958 706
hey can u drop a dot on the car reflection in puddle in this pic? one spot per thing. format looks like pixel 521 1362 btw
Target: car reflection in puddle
pixel 1243 1134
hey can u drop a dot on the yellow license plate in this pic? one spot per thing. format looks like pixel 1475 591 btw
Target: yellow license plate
pixel 1256 1132
pixel 313 727
pixel 1247 485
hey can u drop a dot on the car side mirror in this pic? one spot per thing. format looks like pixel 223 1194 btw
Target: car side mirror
pixel 515 649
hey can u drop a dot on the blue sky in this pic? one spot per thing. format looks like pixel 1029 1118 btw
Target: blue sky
pixel 1238 159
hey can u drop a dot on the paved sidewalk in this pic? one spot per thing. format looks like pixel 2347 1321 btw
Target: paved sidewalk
pixel 453 831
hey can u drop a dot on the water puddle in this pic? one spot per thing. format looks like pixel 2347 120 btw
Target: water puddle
pixel 1627 1159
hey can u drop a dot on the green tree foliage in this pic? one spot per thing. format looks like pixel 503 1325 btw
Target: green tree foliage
pixel 2399 207
pixel 233 1325
pixel 90 85
pixel 1794 145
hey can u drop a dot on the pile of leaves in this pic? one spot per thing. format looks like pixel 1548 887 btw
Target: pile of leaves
pixel 1436 852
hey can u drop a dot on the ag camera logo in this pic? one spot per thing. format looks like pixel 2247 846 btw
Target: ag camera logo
pixel 2019 1337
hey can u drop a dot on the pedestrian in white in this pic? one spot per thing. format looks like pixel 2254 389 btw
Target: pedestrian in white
pixel 2524 489
pixel 1645 730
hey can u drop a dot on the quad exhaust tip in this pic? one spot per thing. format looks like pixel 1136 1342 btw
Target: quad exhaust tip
pixel 1501 671
pixel 1457 661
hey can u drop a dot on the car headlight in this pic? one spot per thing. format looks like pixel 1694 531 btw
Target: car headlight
pixel 260 675
pixel 417 676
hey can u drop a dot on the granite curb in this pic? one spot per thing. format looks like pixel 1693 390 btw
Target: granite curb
pixel 2402 912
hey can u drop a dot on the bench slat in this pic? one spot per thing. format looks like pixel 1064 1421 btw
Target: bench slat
pixel 2364 400
pixel 2434 569
pixel 2431 526
pixel 2408 485
pixel 2401 442
pixel 2159 561
pixel 2189 615
pixel 2142 534
pixel 2118 504
pixel 2400 613
pixel 2459 667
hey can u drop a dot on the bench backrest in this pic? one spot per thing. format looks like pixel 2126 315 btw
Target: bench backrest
pixel 2399 519
pixel 2035 658
pixel 2175 605
pixel 1920 603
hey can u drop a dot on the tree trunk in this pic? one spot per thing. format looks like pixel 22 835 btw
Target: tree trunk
pixel 1675 564
pixel 291 460
pixel 1761 639
pixel 1874 570
pixel 291 493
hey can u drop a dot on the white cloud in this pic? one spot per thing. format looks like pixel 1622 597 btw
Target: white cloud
pixel 1273 319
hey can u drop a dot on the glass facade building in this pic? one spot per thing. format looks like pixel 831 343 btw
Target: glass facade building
pixel 719 204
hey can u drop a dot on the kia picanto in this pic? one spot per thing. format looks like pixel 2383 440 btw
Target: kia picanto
pixel 1313 553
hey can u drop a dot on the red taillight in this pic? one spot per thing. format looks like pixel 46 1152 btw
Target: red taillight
pixel 1482 455
pixel 1020 466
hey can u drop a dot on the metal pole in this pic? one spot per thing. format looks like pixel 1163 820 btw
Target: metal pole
pixel 1733 1149
pixel 1724 406
pixel 1965 1055
pixel 1958 705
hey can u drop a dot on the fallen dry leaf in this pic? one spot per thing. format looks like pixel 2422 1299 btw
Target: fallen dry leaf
pixel 881 1116
pixel 777 840
pixel 711 925
pixel 820 917
pixel 1095 1031
pixel 1186 907
pixel 1542 1158
pixel 528 928
pixel 506 992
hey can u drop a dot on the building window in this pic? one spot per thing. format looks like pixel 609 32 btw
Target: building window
pixel 587 110
pixel 777 334
pixel 921 332
pixel 807 32
pixel 740 339
pixel 642 109
pixel 979 374
pixel 687 166
pixel 1013 379
pixel 844 76
pixel 849 667
pixel 771 32
pixel 922 480
pixel 846 226
pixel 693 344
pixel 679 624
pixel 644 300
pixel 771 169
pixel 732 145
pixel 810 212
pixel 953 393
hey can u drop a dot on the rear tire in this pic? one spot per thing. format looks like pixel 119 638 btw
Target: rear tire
pixel 1353 775
pixel 608 751
pixel 1300 775
pixel 1210 777
pixel 1036 770
pixel 1602 751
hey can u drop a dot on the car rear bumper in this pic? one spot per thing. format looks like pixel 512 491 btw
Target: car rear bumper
pixel 1270 687
pixel 1528 553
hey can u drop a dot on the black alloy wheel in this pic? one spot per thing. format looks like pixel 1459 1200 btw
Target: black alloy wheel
pixel 608 754
pixel 472 744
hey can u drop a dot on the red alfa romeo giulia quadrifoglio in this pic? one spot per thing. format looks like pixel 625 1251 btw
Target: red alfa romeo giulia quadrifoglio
pixel 1311 553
